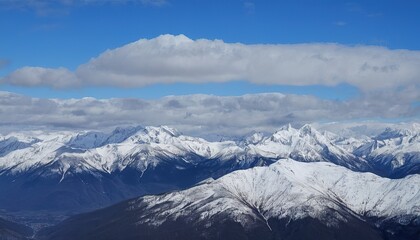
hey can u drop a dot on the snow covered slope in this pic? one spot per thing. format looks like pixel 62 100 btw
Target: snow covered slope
pixel 102 152
pixel 394 152
pixel 11 143
pixel 271 202
pixel 307 145
pixel 88 170
pixel 140 148
pixel 288 188
pixel 93 169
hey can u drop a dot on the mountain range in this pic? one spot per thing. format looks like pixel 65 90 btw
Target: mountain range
pixel 286 200
pixel 258 185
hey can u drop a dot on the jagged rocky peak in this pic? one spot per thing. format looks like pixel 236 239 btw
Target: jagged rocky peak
pixel 94 139
pixel 162 155
pixel 399 131
pixel 286 128
pixel 288 135
pixel 284 134
pixel 127 144
pixel 393 133
pixel 252 138
pixel 87 140
pixel 161 134
pixel 10 144
pixel 287 131
pixel 122 133
pixel 307 129
pixel 172 132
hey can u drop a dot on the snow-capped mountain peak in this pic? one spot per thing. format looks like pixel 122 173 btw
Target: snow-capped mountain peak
pixel 10 144
pixel 94 139
pixel 305 144
pixel 141 146
pixel 286 189
pixel 253 138
pixel 395 151
pixel 162 134
pixel 144 160
pixel 286 200
pixel 394 133
pixel 284 135
pixel 307 129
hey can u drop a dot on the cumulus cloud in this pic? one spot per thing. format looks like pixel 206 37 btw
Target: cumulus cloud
pixel 169 59
pixel 193 114
pixel 38 76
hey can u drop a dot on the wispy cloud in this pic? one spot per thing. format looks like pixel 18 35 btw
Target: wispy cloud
pixel 4 63
pixel 249 7
pixel 154 2
pixel 340 23
pixel 60 7
pixel 46 27
pixel 197 114
pixel 375 15
pixel 360 9
pixel 40 7
pixel 144 2
pixel 170 59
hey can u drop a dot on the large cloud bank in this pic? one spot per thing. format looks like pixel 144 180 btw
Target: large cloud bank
pixel 388 80
pixel 192 114
pixel 169 59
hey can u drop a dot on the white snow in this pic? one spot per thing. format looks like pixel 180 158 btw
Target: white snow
pixel 287 189
pixel 398 147
pixel 142 147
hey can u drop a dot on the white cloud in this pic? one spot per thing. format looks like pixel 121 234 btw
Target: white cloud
pixel 249 7
pixel 340 23
pixel 388 80
pixel 194 114
pixel 154 2
pixel 38 76
pixel 144 2
pixel 169 59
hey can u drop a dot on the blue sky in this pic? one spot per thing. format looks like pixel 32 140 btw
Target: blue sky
pixel 205 67
pixel 67 35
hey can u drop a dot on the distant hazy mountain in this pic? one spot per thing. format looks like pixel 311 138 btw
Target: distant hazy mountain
pixel 394 152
